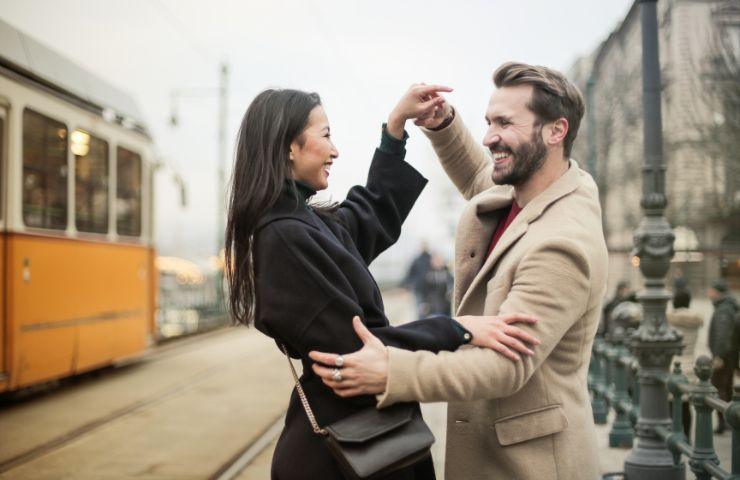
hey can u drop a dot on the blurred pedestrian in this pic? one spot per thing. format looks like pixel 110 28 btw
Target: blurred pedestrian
pixel 687 322
pixel 299 271
pixel 723 342
pixel 415 276
pixel 436 288
pixel 622 294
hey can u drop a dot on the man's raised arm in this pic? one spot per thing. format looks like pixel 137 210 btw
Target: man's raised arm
pixel 466 161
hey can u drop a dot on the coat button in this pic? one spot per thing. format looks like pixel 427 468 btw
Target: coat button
pixel 472 254
pixel 466 336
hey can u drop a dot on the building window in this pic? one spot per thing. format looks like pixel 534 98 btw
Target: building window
pixel 44 172
pixel 128 192
pixel 91 182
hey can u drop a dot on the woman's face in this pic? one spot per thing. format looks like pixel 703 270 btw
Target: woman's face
pixel 312 161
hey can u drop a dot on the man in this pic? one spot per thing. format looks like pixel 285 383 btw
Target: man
pixel 723 342
pixel 531 243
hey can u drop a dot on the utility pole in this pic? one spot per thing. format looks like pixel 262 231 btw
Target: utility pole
pixel 223 115
pixel 654 343
pixel 221 156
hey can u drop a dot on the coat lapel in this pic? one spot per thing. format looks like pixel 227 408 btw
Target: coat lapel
pixel 497 198
pixel 474 232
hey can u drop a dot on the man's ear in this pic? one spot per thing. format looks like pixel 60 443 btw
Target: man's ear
pixel 558 131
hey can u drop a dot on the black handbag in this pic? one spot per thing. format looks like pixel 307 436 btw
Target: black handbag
pixel 373 443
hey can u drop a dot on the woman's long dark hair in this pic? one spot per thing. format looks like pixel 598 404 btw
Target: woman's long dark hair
pixel 274 120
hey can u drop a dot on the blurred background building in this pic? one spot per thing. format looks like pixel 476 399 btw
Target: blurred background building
pixel 700 59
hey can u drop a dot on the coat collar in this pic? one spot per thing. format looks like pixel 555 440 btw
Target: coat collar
pixel 501 196
pixel 288 206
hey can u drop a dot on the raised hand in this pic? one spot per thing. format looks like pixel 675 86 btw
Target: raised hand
pixel 434 118
pixel 498 333
pixel 419 101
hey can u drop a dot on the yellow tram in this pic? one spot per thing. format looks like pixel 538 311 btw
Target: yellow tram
pixel 77 256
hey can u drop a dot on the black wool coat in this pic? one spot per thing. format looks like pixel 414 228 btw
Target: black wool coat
pixel 312 277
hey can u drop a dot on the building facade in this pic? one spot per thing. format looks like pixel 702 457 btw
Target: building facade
pixel 700 55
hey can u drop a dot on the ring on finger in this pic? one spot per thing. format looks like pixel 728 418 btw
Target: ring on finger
pixel 339 362
pixel 336 375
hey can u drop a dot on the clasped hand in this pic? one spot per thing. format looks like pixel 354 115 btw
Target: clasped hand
pixel 365 372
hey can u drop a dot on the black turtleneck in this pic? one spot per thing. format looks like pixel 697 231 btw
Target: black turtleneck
pixel 302 191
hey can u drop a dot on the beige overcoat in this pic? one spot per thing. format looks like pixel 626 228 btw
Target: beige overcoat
pixel 516 420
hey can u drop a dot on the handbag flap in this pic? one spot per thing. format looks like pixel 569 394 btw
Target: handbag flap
pixel 370 423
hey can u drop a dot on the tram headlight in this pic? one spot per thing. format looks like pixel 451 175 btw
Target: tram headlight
pixel 80 143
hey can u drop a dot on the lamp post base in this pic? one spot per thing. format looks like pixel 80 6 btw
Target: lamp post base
pixel 646 462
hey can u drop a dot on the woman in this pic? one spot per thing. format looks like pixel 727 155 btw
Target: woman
pixel 300 272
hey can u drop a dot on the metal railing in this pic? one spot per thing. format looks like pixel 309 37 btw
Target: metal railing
pixel 613 375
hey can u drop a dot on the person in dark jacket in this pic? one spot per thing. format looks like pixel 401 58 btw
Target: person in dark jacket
pixel 723 342
pixel 436 288
pixel 299 271
pixel 414 279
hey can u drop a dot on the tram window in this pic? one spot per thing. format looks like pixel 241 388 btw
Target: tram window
pixel 128 192
pixel 2 153
pixel 44 171
pixel 91 182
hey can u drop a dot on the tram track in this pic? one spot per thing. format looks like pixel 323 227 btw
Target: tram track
pixel 89 427
pixel 239 462
pixel 219 358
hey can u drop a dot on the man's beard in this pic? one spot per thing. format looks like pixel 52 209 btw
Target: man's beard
pixel 524 161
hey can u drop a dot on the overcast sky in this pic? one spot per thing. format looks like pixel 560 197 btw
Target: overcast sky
pixel 360 56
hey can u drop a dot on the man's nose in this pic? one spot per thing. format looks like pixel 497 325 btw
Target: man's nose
pixel 491 138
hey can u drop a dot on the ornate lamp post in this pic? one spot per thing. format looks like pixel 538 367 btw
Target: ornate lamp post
pixel 654 343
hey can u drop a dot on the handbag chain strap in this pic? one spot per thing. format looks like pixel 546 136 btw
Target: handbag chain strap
pixel 304 400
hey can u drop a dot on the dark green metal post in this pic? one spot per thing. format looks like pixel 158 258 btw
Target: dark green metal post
pixel 703 435
pixel 597 378
pixel 621 434
pixel 654 343
pixel 591 117
pixel 733 418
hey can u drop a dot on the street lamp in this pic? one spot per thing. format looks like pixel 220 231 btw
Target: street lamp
pixel 654 343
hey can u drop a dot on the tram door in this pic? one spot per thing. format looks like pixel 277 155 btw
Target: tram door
pixel 3 242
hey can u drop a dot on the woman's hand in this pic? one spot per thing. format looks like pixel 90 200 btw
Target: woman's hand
pixel 419 101
pixel 498 333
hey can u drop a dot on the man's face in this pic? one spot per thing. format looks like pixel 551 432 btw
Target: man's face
pixel 513 136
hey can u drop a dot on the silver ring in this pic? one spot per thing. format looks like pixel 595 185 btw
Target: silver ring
pixel 339 362
pixel 336 375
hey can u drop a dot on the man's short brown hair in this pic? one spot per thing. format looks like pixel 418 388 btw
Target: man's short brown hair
pixel 553 95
